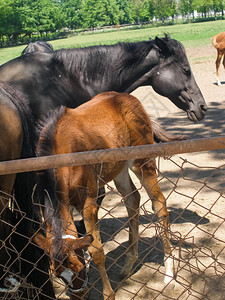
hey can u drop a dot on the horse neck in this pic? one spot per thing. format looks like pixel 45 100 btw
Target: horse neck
pixel 114 67
pixel 138 72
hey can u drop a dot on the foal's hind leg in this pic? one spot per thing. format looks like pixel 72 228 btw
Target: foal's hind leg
pixel 131 196
pixel 80 224
pixel 146 172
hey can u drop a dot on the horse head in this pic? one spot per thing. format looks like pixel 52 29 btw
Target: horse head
pixel 68 261
pixel 172 77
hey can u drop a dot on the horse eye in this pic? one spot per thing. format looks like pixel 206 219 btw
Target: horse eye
pixel 187 70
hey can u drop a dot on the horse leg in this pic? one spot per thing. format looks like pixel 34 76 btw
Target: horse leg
pixel 80 224
pixel 90 214
pixel 131 196
pixel 219 56
pixel 146 172
pixel 223 54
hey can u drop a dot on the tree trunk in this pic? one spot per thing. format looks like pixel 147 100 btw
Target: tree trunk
pixel 138 18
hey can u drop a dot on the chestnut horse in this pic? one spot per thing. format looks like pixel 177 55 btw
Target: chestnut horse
pixel 10 148
pixel 218 42
pixel 16 123
pixel 109 120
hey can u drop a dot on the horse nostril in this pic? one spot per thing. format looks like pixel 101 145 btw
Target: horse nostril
pixel 203 107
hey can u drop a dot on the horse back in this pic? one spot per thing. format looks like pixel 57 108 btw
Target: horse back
pixel 218 41
pixel 109 120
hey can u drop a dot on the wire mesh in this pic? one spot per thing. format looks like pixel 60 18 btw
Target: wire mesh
pixel 196 202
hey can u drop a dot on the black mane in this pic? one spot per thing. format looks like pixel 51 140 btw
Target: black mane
pixel 46 135
pixel 124 54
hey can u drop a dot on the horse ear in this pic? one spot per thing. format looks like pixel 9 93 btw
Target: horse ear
pixel 80 243
pixel 162 45
pixel 42 242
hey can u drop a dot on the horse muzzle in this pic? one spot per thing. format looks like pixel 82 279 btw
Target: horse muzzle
pixel 196 114
pixel 74 293
pixel 196 110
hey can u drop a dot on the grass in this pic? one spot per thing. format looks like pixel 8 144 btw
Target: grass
pixel 191 35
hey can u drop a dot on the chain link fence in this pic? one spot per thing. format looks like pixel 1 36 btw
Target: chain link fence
pixel 194 191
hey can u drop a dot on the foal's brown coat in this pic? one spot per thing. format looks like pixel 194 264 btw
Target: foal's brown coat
pixel 109 120
pixel 218 42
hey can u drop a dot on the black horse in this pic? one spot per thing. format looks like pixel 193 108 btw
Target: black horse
pixel 38 46
pixel 72 77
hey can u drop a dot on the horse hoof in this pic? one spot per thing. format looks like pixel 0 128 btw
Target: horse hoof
pixel 170 286
pixel 125 274
pixel 127 269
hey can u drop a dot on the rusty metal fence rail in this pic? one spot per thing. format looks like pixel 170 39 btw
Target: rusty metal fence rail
pixel 194 189
pixel 107 155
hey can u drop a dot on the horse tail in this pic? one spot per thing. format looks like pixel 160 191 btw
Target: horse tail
pixel 214 42
pixel 162 136
pixel 30 255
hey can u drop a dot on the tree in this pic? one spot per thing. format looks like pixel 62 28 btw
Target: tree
pixel 185 7
pixel 97 13
pixel 28 19
pixel 12 21
pixel 126 15
pixel 72 13
pixel 203 6
pixel 47 15
pixel 5 12
pixel 137 5
pixel 146 11
pixel 218 6
pixel 164 9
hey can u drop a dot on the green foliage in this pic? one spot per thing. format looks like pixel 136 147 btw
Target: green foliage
pixel 203 6
pixel 164 8
pixel 185 7
pixel 21 19
pixel 100 13
pixel 191 35
pixel 71 10
pixel 146 11
pixel 126 12
pixel 218 5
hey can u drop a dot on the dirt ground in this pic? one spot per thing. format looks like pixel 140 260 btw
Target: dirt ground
pixel 193 185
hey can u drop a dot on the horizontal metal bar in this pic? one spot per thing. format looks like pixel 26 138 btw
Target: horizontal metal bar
pixel 109 155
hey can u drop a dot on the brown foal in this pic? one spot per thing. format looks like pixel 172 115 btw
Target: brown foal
pixel 109 120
